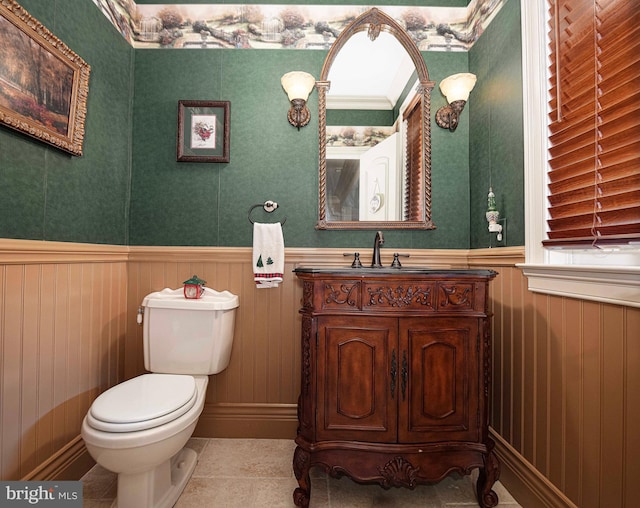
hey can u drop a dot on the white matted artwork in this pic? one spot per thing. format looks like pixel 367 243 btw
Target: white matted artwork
pixel 203 128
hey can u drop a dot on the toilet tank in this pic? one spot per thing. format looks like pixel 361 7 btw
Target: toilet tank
pixel 184 336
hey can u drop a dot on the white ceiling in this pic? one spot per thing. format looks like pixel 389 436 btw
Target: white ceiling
pixel 381 68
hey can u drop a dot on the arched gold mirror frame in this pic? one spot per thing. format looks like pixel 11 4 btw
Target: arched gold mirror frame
pixel 375 21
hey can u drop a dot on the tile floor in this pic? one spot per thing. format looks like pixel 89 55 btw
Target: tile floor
pixel 247 473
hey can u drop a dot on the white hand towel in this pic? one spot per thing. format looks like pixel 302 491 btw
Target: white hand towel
pixel 268 254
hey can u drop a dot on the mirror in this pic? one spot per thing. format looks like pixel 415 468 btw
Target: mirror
pixel 374 130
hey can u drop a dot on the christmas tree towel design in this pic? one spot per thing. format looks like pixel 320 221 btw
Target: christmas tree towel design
pixel 268 254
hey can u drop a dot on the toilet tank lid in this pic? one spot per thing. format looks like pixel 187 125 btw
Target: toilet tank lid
pixel 174 299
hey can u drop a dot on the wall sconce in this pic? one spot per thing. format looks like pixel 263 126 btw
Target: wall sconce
pixel 298 86
pixel 456 89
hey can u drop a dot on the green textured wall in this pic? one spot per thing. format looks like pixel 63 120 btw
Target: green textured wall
pixel 128 187
pixel 46 194
pixel 177 203
pixel 496 140
pixel 364 117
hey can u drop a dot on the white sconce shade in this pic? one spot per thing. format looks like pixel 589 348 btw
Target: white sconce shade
pixel 458 86
pixel 298 85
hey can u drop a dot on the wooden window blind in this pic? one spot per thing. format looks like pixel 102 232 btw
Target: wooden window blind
pixel 594 176
pixel 414 183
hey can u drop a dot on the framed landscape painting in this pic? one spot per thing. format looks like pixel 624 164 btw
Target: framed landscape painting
pixel 203 131
pixel 43 84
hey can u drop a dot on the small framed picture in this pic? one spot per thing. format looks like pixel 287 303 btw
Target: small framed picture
pixel 203 131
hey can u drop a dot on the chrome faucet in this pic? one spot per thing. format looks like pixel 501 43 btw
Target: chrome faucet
pixel 377 242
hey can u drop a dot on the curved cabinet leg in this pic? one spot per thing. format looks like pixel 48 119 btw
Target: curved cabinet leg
pixel 489 475
pixel 302 494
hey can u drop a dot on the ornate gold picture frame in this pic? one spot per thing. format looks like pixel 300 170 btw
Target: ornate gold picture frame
pixel 43 84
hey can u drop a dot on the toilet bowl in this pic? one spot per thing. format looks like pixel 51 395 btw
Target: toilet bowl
pixel 138 429
pixel 146 451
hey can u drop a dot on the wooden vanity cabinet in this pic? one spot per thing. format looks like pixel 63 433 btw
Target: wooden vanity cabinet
pixel 395 378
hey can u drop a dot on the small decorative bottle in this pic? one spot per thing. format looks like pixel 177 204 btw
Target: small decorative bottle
pixel 492 212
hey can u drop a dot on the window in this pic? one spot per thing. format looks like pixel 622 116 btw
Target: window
pixel 610 274
pixel 414 187
pixel 594 130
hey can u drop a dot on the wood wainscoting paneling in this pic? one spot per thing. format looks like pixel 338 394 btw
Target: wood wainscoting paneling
pixel 566 375
pixel 68 332
pixel 62 315
pixel 256 396
pixel 565 401
pixel 260 383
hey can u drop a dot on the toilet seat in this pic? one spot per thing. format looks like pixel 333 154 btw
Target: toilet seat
pixel 144 402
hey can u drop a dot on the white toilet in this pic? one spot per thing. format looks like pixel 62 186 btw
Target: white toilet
pixel 138 428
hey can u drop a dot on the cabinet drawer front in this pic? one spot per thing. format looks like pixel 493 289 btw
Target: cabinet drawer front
pixel 396 295
pixel 456 296
pixel 399 295
pixel 340 294
pixel 354 395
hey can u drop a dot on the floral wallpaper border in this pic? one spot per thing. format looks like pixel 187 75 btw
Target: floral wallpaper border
pixel 287 26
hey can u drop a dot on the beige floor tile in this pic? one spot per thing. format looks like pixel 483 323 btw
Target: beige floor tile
pixel 217 493
pixel 253 458
pixel 346 493
pixel 257 473
pixel 197 444
pixel 504 497
pixel 422 496
pixel 456 489
pixel 274 492
pixel 100 484
pixel 319 490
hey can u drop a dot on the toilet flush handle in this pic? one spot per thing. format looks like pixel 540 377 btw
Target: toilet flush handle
pixel 140 313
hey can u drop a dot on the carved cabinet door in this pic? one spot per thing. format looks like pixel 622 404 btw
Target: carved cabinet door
pixel 356 392
pixel 439 401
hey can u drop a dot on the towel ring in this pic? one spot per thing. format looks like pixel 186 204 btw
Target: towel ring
pixel 268 206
